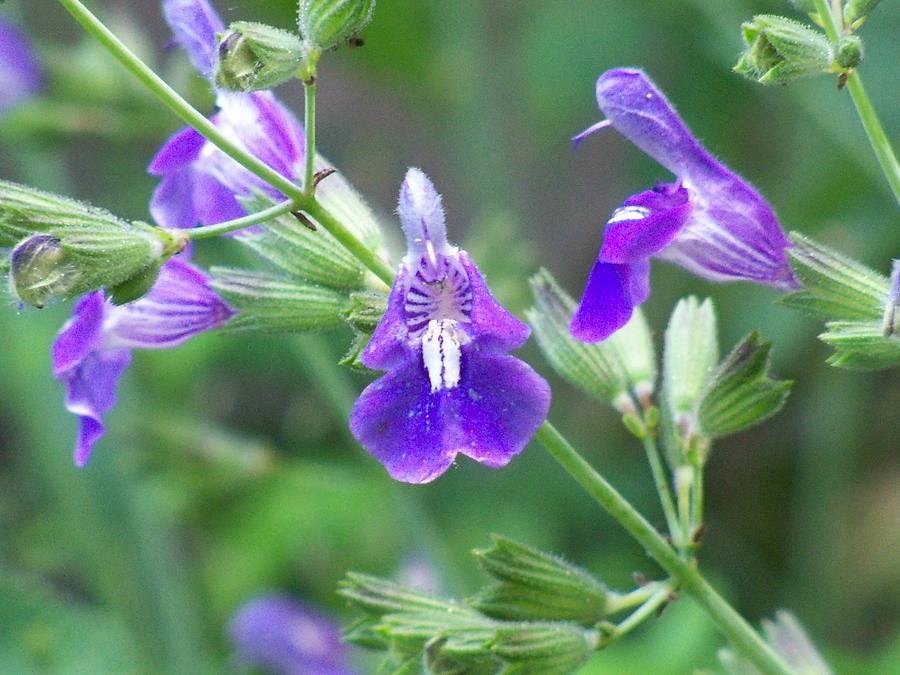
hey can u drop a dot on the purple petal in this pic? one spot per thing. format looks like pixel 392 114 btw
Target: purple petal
pixel 497 329
pixel 213 202
pixel 182 148
pixel 172 203
pixel 81 334
pixel 195 24
pixel 20 72
pixel 641 113
pixel 387 346
pixel 422 216
pixel 288 638
pixel 179 306
pixel 91 392
pixel 610 296
pixel 645 224
pixel 416 432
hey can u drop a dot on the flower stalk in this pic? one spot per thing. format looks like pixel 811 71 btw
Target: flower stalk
pixel 884 152
pixel 217 230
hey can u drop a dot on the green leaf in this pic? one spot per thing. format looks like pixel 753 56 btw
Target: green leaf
pixel 860 345
pixel 740 392
pixel 836 288
pixel 537 585
pixel 272 304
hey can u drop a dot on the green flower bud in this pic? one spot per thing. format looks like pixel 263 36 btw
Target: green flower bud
pixel 856 11
pixel 40 271
pixel 779 50
pixel 136 287
pixel 254 56
pixel 544 648
pixel 329 23
pixel 534 585
pixel 849 51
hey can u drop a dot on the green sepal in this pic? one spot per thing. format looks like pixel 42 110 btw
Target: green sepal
pixel 535 585
pixel 780 50
pixel 273 304
pixel 136 287
pixel 740 393
pixel 691 354
pixel 606 370
pixel 836 288
pixel 856 11
pixel 848 53
pixel 255 56
pixel 545 649
pixel 365 311
pixel 311 256
pixel 861 345
pixel 329 23
pixel 377 597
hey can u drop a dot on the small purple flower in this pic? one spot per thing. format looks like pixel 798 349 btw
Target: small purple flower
pixel 200 183
pixel 287 637
pixel 94 348
pixel 451 386
pixel 710 221
pixel 20 73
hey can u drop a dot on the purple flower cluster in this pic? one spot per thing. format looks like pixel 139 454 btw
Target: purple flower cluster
pixel 451 386
pixel 709 221
pixel 20 73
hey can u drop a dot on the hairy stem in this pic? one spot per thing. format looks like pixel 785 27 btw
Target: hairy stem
pixel 190 115
pixel 729 622
pixel 884 152
pixel 210 231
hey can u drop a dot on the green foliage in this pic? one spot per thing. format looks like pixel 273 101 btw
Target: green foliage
pixel 740 392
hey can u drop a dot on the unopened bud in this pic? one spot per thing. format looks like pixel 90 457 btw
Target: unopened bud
pixel 849 51
pixel 254 56
pixel 329 23
pixel 779 50
pixel 40 271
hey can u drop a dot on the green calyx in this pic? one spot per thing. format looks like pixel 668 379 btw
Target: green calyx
pixel 780 50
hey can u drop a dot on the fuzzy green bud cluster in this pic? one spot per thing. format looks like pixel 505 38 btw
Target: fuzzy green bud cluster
pixel 254 56
pixel 780 50
pixel 326 24
pixel 62 248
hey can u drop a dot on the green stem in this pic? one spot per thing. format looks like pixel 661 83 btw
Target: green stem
pixel 662 487
pixel 729 622
pixel 697 505
pixel 619 601
pixel 884 153
pixel 175 102
pixel 643 612
pixel 210 231
pixel 309 126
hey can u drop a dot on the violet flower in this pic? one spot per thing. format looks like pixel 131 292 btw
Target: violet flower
pixel 451 386
pixel 20 73
pixel 200 183
pixel 94 348
pixel 286 637
pixel 709 221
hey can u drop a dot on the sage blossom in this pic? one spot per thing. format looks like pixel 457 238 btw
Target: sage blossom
pixel 709 220
pixel 20 72
pixel 287 637
pixel 94 348
pixel 451 386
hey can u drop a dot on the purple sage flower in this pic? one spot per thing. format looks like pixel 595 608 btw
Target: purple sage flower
pixel 20 73
pixel 286 637
pixel 451 386
pixel 94 348
pixel 200 183
pixel 710 221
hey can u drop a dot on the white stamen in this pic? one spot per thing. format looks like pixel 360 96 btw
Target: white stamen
pixel 629 213
pixel 441 353
pixel 432 256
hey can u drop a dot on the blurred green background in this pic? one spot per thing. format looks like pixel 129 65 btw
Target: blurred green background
pixel 228 470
